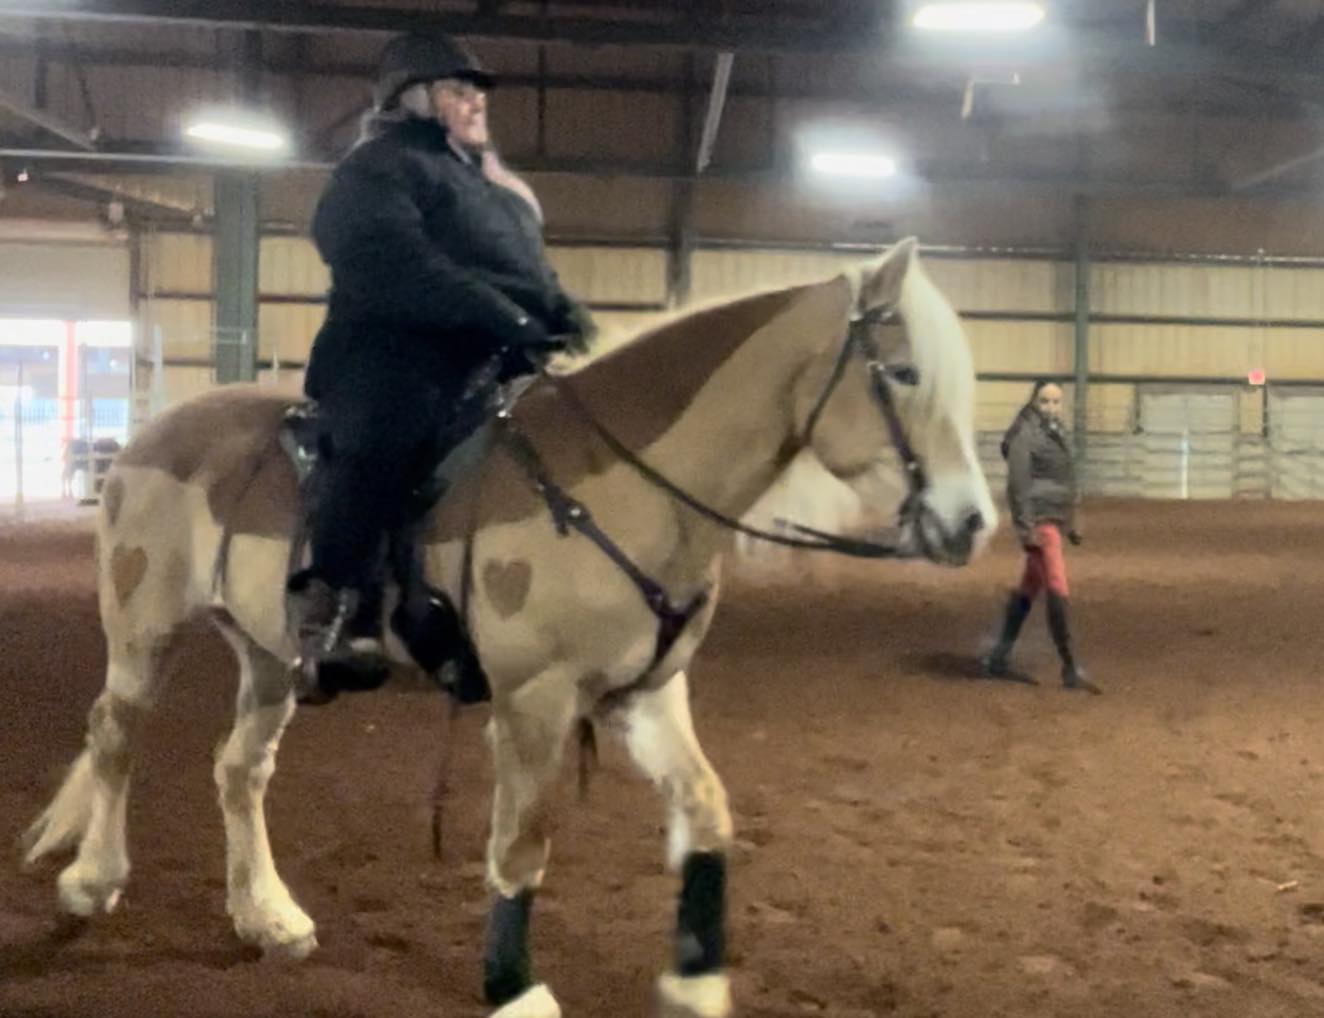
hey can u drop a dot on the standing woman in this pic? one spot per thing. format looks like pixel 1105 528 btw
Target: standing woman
pixel 1042 497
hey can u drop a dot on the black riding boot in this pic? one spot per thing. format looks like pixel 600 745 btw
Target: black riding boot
pixel 1060 628
pixel 331 659
pixel 996 661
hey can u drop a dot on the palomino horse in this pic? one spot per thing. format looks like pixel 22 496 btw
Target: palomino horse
pixel 713 405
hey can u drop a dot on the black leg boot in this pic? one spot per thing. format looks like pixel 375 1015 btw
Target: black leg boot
pixel 995 663
pixel 1060 628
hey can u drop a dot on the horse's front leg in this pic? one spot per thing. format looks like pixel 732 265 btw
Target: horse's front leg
pixel 527 734
pixel 660 735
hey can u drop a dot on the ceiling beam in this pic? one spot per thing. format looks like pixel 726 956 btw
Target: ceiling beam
pixel 46 121
pixel 1184 54
pixel 940 98
pixel 941 175
pixel 1281 169
pixel 716 104
pixel 703 33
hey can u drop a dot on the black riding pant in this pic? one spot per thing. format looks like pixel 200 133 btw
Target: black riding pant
pixel 385 425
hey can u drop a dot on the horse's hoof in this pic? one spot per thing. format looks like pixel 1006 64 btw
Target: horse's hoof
pixel 290 950
pixel 537 1002
pixel 694 996
pixel 82 897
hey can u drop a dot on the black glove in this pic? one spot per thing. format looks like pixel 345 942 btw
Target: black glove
pixel 1075 537
pixel 575 325
pixel 512 327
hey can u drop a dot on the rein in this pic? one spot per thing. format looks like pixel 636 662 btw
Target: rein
pixel 881 375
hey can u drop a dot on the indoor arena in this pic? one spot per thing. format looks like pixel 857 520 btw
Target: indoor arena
pixel 804 507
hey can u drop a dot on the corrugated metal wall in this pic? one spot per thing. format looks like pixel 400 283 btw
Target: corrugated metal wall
pixel 1154 321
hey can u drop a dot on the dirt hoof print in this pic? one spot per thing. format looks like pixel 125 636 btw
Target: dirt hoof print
pixel 1311 913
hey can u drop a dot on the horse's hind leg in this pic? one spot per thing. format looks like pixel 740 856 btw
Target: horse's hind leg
pixel 89 809
pixel 264 913
pixel 660 736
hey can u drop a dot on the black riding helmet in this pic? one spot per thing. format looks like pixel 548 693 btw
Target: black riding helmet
pixel 424 56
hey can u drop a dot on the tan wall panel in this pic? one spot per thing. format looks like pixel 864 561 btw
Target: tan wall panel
pixel 1168 350
pixel 181 383
pixel 996 403
pixel 64 281
pixel 612 274
pixel 185 327
pixel 1294 293
pixel 1111 408
pixel 286 331
pixel 291 266
pixel 617 206
pixel 1198 291
pixel 1004 285
pixel 722 274
pixel 1205 225
pixel 1250 411
pixel 177 262
pixel 1035 347
pixel 619 327
pixel 1293 353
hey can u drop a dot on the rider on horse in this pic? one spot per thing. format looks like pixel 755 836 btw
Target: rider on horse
pixel 438 269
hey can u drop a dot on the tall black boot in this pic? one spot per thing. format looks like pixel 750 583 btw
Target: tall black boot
pixel 1060 628
pixel 996 661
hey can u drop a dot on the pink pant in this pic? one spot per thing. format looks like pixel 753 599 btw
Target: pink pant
pixel 1045 565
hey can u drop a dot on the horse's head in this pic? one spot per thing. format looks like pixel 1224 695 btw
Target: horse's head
pixel 897 388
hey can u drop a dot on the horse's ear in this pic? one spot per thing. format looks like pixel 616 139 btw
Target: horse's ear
pixel 880 285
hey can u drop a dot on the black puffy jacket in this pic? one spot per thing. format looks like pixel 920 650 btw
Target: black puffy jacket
pixel 430 261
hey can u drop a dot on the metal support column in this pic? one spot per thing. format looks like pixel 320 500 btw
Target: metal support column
pixel 1082 359
pixel 236 243
pixel 234 257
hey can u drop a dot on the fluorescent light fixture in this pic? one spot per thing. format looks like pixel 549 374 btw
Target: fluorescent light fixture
pixel 234 132
pixel 854 164
pixel 975 16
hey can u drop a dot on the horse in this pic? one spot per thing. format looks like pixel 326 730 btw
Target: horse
pixel 654 451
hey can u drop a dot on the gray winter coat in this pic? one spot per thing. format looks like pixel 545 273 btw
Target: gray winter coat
pixel 1041 479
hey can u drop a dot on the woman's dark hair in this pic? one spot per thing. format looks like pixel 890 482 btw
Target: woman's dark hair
pixel 1025 411
pixel 1039 385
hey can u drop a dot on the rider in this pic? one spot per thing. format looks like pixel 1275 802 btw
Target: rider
pixel 1042 495
pixel 437 266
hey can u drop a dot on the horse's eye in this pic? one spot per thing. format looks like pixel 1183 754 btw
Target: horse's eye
pixel 903 374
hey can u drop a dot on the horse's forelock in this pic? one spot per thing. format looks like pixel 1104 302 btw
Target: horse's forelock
pixel 937 345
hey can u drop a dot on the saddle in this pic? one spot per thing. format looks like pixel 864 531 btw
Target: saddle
pixel 427 621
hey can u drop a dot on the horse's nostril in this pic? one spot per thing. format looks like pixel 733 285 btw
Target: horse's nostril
pixel 974 523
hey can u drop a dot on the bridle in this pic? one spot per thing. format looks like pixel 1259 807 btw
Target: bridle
pixel 914 511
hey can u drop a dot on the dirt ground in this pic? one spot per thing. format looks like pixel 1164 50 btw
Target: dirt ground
pixel 912 842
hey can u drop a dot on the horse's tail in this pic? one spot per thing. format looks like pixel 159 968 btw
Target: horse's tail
pixel 63 823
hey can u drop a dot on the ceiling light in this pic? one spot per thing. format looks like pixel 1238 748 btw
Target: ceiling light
pixel 854 164
pixel 975 16
pixel 233 132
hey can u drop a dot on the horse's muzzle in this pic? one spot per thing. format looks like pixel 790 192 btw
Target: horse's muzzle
pixel 925 535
